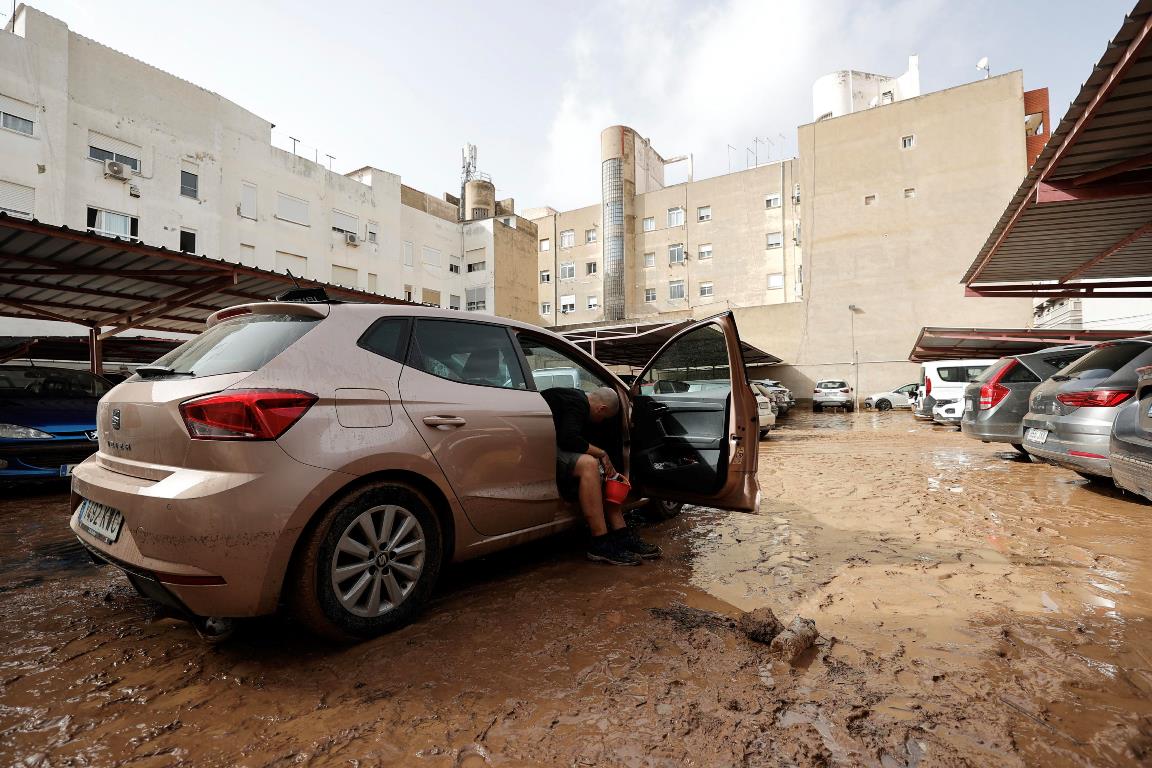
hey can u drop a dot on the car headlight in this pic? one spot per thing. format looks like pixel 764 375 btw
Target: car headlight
pixel 17 432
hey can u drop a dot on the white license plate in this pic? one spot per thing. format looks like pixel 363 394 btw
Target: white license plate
pixel 1034 435
pixel 66 470
pixel 967 406
pixel 101 520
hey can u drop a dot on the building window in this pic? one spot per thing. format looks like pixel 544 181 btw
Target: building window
pixel 590 235
pixel 772 200
pixel 907 142
pixel 675 217
pixel 372 233
pixel 886 97
pixel 775 280
pixel 545 245
pixel 17 199
pixel 590 268
pixel 545 308
pixel 409 254
pixel 545 276
pixel 676 289
pixel 910 192
pixel 430 296
pixel 113 224
pixel 650 224
pixel 869 199
pixel 479 213
pixel 187 241
pixel 568 304
pixel 96 153
pixel 649 295
pixel 453 301
pixel 454 263
pixel 775 239
pixel 676 253
pixel 567 270
pixel 247 208
pixel 293 209
pixel 593 302
pixel 705 289
pixel 189 184
pixel 477 266
pixel 475 298
pixel 431 256
pixel 704 251
pixel 568 238
pixel 650 259
pixel 16 123
pixel 704 213
pixel 795 194
pixel 345 223
pixel 407 293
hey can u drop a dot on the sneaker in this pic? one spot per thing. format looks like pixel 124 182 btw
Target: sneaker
pixel 629 540
pixel 607 549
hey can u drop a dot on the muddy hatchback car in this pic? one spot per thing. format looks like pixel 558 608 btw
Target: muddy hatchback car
pixel 332 458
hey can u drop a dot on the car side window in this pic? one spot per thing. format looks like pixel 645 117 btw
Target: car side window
pixel 387 337
pixel 470 353
pixel 550 367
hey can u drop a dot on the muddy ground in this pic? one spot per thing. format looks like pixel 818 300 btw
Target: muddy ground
pixel 975 608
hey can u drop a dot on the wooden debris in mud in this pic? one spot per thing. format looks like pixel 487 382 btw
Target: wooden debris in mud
pixel 759 625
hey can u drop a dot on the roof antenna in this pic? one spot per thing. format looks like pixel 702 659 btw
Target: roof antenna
pixel 294 280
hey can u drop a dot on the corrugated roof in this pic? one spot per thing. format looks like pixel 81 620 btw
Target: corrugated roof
pixel 1098 167
pixel 57 273
pixel 977 343
pixel 120 349
pixel 635 344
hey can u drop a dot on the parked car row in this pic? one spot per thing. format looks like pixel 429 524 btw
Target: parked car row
pixel 1087 408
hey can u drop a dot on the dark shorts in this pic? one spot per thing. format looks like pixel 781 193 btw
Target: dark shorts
pixel 565 465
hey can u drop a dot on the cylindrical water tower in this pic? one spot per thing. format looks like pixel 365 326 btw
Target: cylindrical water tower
pixel 479 199
pixel 618 193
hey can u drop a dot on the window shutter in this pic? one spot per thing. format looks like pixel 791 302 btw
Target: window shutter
pixel 18 108
pixel 474 294
pixel 17 199
pixel 291 208
pixel 100 141
pixel 248 200
pixel 346 222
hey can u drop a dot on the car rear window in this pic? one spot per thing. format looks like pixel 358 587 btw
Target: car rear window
pixel 831 385
pixel 1105 361
pixel 244 343
pixel 992 370
pixel 960 373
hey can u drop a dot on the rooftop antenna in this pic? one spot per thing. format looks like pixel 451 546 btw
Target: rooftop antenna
pixel 731 149
pixel 330 159
pixel 294 140
pixel 294 280
pixel 983 64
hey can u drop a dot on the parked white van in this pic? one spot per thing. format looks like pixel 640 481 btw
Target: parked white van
pixel 942 384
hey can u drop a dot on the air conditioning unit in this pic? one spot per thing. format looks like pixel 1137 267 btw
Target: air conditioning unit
pixel 351 239
pixel 114 169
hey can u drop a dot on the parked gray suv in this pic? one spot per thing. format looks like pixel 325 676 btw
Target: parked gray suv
pixel 997 401
pixel 1070 417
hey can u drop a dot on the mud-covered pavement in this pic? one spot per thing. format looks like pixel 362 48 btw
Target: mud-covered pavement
pixel 976 609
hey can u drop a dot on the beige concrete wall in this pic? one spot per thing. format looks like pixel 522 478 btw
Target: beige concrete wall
pixel 900 260
pixel 515 273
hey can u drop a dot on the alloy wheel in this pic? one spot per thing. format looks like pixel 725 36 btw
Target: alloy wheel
pixel 378 560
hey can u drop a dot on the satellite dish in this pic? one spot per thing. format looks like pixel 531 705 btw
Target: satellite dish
pixel 983 63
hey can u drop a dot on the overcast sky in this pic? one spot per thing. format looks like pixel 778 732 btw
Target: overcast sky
pixel 402 86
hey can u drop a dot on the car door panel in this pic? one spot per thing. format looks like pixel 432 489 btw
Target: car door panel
pixel 697 446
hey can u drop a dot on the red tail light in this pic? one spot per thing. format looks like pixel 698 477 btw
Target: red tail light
pixel 245 414
pixel 992 391
pixel 927 386
pixel 1095 398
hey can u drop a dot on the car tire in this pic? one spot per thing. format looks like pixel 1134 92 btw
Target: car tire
pixel 850 407
pixel 764 434
pixel 816 408
pixel 1091 478
pixel 662 509
pixel 883 404
pixel 340 540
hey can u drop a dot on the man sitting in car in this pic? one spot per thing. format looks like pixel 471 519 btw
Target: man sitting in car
pixel 584 465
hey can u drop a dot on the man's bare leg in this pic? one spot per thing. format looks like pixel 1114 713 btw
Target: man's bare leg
pixel 587 471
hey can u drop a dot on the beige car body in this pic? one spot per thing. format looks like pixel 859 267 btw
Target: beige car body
pixel 215 524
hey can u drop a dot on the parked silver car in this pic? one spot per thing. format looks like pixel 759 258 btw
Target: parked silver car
pixel 996 403
pixel 1070 417
pixel 1131 445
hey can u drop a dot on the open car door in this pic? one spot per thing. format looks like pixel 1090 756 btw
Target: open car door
pixel 695 429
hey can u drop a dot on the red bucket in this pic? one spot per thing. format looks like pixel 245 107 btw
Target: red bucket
pixel 616 489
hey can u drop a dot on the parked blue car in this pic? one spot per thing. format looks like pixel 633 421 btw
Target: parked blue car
pixel 47 420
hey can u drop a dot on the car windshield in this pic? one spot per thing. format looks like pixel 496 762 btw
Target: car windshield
pixel 245 343
pixel 832 385
pixel 38 381
pixel 1104 361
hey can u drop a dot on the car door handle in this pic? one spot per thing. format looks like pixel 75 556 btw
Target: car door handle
pixel 444 421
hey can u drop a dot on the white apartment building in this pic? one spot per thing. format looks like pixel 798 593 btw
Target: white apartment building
pixel 92 138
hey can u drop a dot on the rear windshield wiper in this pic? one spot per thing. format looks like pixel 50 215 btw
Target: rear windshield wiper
pixel 155 371
pixel 1062 377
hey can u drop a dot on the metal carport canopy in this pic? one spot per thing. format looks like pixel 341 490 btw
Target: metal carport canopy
pixel 111 285
pixel 1081 221
pixel 634 345
pixel 983 343
pixel 119 349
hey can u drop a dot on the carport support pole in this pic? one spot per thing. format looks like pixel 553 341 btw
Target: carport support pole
pixel 96 351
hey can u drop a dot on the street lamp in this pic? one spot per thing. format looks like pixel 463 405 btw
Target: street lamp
pixel 852 310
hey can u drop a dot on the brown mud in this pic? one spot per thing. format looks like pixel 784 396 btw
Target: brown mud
pixel 974 609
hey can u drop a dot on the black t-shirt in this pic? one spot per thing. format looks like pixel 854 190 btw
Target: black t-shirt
pixel 571 415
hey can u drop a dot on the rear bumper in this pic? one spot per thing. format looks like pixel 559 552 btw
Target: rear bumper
pixel 216 542
pixel 991 431
pixel 1067 437
pixel 1131 472
pixel 40 459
